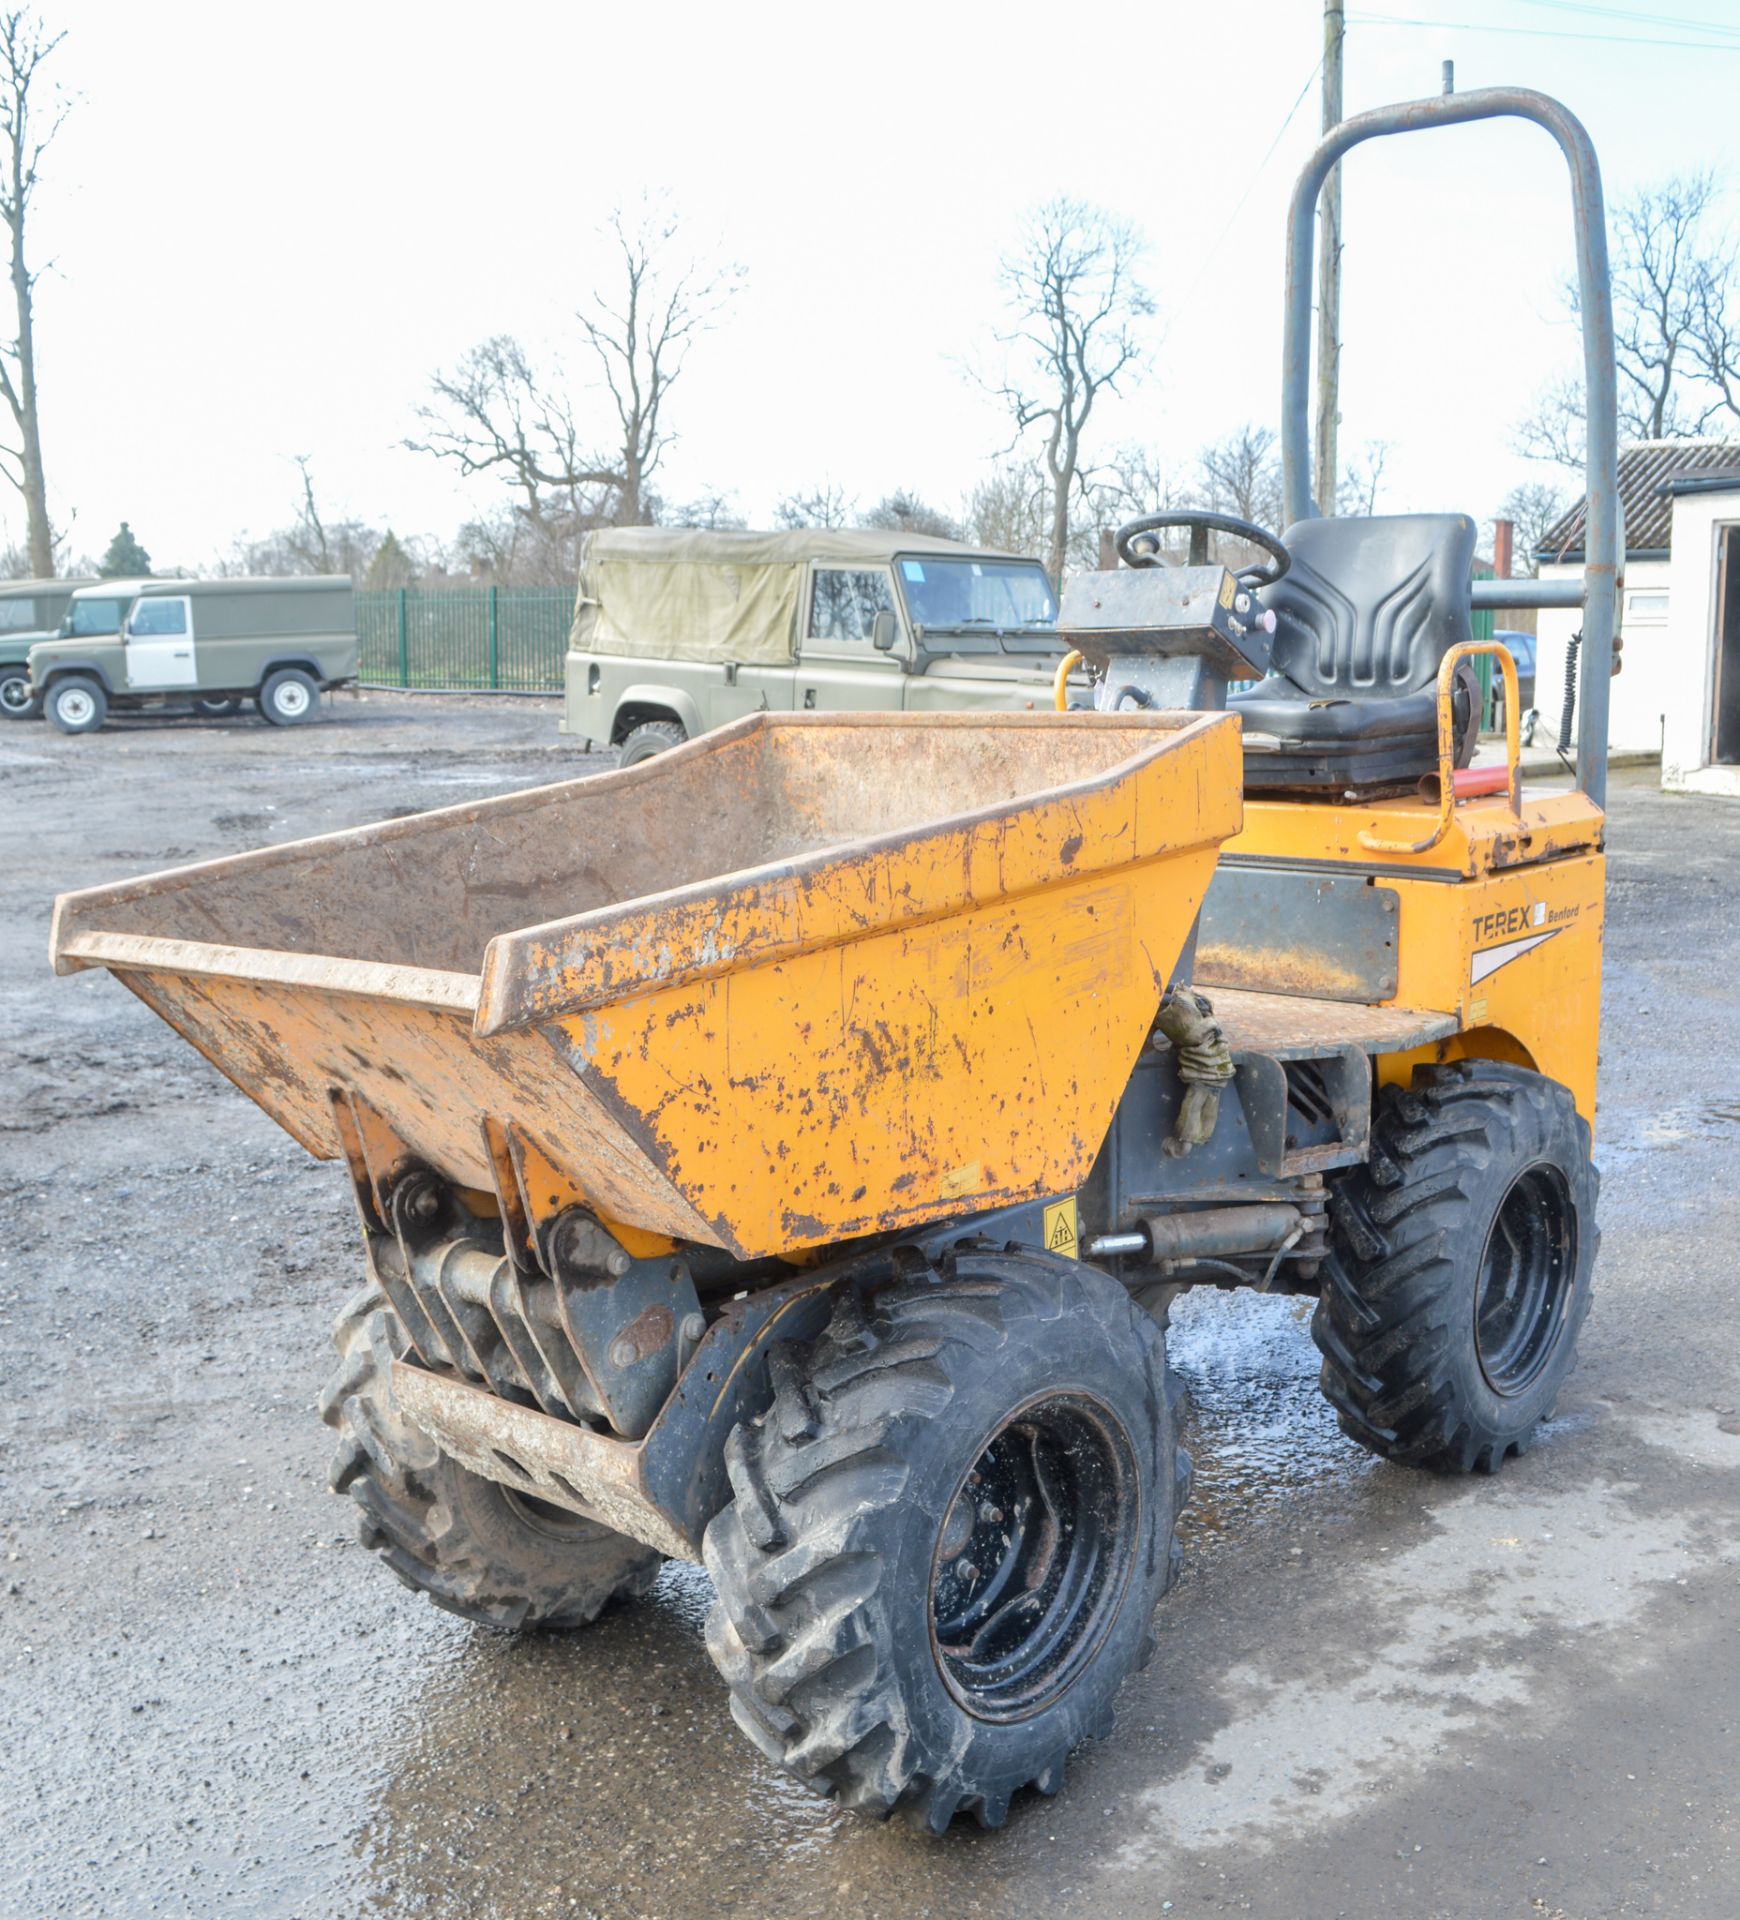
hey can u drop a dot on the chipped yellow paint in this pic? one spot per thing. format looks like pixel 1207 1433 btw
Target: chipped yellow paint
pixel 902 971
pixel 547 1190
pixel 1484 837
pixel 901 1077
pixel 1493 880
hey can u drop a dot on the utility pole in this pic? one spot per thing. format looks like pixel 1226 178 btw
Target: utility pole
pixel 1329 275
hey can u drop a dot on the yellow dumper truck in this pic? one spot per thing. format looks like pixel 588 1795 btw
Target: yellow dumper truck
pixel 782 1153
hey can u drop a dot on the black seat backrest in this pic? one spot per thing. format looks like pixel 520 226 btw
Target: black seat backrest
pixel 1371 606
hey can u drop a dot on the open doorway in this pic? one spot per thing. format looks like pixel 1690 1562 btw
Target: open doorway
pixel 1726 728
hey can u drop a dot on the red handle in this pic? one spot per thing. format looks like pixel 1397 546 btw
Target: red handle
pixel 1469 781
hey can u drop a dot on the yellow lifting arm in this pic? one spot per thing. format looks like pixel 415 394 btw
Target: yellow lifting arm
pixel 1466 650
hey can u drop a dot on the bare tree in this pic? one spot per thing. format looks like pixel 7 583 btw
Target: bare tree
pixel 714 510
pixel 25 44
pixel 1715 331
pixel 1139 480
pixel 1134 482
pixel 1011 507
pixel 902 511
pixel 509 550
pixel 825 506
pixel 311 544
pixel 1556 427
pixel 1007 510
pixel 1533 509
pixel 1362 481
pixel 346 546
pixel 494 413
pixel 1669 275
pixel 642 339
pixel 1070 284
pixel 1241 475
pixel 1663 257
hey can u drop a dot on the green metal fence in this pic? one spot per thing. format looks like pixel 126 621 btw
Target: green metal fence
pixel 465 639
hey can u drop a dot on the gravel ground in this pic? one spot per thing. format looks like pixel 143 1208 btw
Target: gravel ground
pixel 1376 1692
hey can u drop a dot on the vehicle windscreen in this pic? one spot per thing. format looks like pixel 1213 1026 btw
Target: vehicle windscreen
pixel 87 619
pixel 946 594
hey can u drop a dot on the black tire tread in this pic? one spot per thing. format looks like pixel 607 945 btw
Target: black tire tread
pixel 499 1575
pixel 669 731
pixel 1381 1320
pixel 790 1556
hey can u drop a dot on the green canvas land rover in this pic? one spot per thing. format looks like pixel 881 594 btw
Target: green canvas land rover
pixel 676 631
pixel 30 610
pixel 141 645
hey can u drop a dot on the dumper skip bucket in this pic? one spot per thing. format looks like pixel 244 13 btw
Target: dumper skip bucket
pixel 806 978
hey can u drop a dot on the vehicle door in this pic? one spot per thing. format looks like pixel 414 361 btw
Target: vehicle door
pixel 728 692
pixel 841 666
pixel 20 626
pixel 159 644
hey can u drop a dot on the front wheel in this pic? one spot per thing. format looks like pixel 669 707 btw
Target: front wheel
pixel 17 700
pixel 290 698
pixel 1459 1268
pixel 948 1535
pixel 76 704
pixel 475 1548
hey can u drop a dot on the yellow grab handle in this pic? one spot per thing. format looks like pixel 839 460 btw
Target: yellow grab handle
pixel 1465 650
pixel 1060 686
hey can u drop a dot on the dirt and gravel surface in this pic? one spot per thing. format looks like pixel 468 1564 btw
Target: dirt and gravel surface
pixel 1376 1693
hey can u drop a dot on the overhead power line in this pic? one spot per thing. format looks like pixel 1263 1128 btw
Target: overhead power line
pixel 1632 14
pixel 1201 276
pixel 1251 184
pixel 1546 33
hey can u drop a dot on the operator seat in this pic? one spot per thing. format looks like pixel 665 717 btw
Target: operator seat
pixel 1363 619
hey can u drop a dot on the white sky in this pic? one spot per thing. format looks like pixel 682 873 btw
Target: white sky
pixel 268 222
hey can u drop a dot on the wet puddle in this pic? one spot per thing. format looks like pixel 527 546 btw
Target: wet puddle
pixel 602 1773
pixel 1258 1428
pixel 1626 1136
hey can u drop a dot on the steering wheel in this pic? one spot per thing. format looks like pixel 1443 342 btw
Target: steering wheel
pixel 1137 547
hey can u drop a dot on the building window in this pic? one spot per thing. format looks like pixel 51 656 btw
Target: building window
pixel 1646 609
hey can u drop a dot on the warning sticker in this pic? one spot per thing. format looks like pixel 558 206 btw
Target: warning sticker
pixel 1060 1228
pixel 1227 585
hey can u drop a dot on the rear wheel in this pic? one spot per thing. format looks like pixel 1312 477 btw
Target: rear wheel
pixel 650 737
pixel 1459 1269
pixel 17 701
pixel 948 1535
pixel 76 704
pixel 475 1548
pixel 290 698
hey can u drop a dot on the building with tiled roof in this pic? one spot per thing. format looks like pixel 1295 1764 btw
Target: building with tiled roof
pixel 1653 475
pixel 1646 468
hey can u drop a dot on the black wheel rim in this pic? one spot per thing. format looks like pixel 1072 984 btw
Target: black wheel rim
pixel 15 695
pixel 1034 1556
pixel 1527 1270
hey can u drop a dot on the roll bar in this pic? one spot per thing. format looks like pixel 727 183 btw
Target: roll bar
pixel 1601 550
